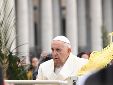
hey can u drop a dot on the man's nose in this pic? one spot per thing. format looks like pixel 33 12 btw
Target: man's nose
pixel 54 52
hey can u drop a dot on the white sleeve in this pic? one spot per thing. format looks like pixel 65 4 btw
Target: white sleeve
pixel 40 73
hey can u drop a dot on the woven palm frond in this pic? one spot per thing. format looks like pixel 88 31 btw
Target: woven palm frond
pixel 98 59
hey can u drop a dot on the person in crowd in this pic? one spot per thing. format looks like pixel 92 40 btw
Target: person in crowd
pixel 1 77
pixel 30 73
pixel 2 81
pixel 35 65
pixel 63 65
pixel 45 56
pixel 85 55
pixel 101 77
pixel 35 62
pixel 111 63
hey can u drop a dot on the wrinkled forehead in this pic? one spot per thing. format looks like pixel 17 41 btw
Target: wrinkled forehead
pixel 57 42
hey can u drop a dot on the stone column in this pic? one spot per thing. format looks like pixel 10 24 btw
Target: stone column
pixel 107 15
pixel 56 18
pixel 31 26
pixel 22 12
pixel 82 31
pixel 96 24
pixel 71 24
pixel 46 24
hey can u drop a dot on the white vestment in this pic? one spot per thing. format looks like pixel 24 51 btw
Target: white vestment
pixel 70 68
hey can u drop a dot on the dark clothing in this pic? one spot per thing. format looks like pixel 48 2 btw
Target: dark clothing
pixel 102 77
pixel 35 73
pixel 1 77
pixel 48 57
pixel 42 59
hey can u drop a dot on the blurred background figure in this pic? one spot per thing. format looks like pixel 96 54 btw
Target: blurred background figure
pixel 111 63
pixel 85 55
pixel 33 69
pixel 1 77
pixel 45 56
pixel 30 73
pixel 35 65
pixel 2 82
pixel 102 77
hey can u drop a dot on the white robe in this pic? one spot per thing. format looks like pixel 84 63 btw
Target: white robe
pixel 70 68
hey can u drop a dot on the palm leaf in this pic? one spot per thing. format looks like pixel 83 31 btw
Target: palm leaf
pixel 8 59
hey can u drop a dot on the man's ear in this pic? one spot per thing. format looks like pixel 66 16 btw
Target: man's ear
pixel 69 50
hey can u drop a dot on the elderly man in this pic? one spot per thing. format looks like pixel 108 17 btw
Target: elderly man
pixel 63 65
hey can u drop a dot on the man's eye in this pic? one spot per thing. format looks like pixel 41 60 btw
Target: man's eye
pixel 58 50
pixel 52 49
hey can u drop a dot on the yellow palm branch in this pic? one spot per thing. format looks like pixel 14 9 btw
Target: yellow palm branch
pixel 98 59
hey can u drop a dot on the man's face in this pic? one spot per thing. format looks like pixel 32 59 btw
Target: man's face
pixel 60 52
